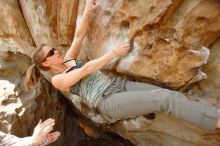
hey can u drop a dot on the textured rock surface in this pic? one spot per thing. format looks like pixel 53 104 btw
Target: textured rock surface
pixel 12 22
pixel 208 89
pixel 171 42
pixel 162 46
pixel 38 23
pixel 161 132
pixel 51 21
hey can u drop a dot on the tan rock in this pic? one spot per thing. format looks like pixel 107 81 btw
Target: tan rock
pixel 51 22
pixel 12 22
pixel 164 130
pixel 35 14
pixel 208 89
pixel 201 24
pixel 16 45
pixel 159 50
pixel 66 18
pixel 170 44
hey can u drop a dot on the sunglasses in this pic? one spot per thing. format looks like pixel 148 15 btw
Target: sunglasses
pixel 50 53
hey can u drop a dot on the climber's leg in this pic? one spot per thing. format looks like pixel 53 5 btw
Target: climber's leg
pixel 134 103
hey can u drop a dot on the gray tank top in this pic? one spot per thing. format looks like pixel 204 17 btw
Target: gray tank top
pixel 92 87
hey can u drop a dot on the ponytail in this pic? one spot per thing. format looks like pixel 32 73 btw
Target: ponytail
pixel 32 76
pixel 33 73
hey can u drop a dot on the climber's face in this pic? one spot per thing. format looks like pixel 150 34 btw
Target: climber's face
pixel 52 56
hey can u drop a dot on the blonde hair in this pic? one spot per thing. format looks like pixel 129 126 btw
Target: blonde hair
pixel 33 73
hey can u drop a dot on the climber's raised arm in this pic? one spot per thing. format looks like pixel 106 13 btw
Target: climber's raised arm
pixel 81 30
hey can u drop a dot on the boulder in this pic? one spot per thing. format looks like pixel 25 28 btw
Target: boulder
pixel 175 45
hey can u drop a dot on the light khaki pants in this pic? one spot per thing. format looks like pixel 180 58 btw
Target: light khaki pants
pixel 140 98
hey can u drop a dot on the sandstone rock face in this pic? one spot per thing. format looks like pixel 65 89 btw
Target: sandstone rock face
pixel 16 45
pixel 162 43
pixel 175 44
pixel 160 132
pixel 51 21
pixel 37 21
pixel 208 89
pixel 12 22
